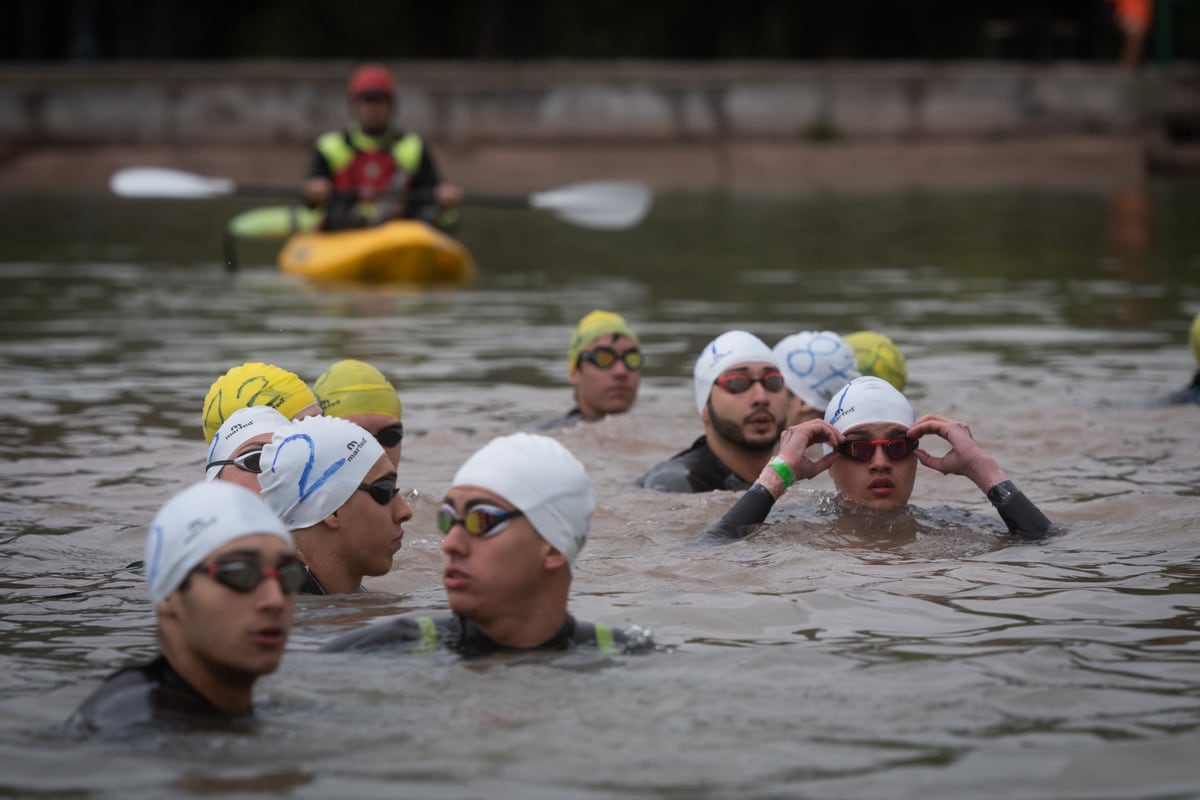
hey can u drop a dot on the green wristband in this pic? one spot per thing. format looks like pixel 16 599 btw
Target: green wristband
pixel 785 472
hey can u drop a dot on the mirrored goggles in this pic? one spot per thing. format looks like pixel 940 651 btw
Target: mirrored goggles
pixel 382 491
pixel 245 576
pixel 606 357
pixel 896 449
pixel 481 521
pixel 390 436
pixel 738 382
pixel 249 461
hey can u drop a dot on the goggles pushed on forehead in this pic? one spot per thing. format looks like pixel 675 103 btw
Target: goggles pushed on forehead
pixel 249 461
pixel 896 449
pixel 245 576
pixel 606 357
pixel 481 521
pixel 738 382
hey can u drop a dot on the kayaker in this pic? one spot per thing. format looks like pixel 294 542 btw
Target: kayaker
pixel 357 391
pixel 371 172
pixel 872 435
pixel 222 576
pixel 878 355
pixel 335 489
pixel 604 363
pixel 514 521
pixel 256 384
pixel 236 451
pixel 815 365
pixel 743 403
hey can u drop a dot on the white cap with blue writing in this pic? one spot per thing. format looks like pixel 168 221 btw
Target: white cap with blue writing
pixel 816 365
pixel 312 466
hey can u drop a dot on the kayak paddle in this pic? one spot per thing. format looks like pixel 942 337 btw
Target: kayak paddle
pixel 602 205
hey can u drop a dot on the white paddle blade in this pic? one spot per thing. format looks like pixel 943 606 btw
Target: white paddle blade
pixel 605 205
pixel 172 183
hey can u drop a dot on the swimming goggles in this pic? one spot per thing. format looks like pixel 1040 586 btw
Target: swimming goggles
pixel 738 382
pixel 606 357
pixel 250 461
pixel 382 491
pixel 481 521
pixel 245 576
pixel 896 449
pixel 390 436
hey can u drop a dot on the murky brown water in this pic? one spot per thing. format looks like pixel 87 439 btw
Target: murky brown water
pixel 815 659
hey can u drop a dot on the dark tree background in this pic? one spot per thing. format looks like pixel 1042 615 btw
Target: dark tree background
pixel 1037 30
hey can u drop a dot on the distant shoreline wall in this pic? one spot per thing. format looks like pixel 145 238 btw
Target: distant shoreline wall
pixel 522 113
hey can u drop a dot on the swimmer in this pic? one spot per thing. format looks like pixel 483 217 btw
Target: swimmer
pixel 879 356
pixel 236 448
pixel 335 489
pixel 514 521
pixel 815 365
pixel 359 392
pixel 1190 394
pixel 256 384
pixel 222 576
pixel 604 366
pixel 872 437
pixel 743 403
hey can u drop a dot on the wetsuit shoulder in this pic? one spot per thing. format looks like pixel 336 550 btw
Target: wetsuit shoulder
pixel 694 470
pixel 149 697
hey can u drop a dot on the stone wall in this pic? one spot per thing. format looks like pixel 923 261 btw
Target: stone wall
pixel 518 113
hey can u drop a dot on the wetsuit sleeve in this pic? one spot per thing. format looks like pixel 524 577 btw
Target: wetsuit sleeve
pixel 669 476
pixel 318 167
pixel 397 635
pixel 1019 513
pixel 741 519
pixel 419 204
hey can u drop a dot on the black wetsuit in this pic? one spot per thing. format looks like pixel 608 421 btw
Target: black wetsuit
pixel 1022 517
pixel 1188 395
pixel 568 420
pixel 696 469
pixel 150 698
pixel 457 634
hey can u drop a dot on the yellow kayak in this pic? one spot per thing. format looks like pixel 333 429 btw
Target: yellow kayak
pixel 402 251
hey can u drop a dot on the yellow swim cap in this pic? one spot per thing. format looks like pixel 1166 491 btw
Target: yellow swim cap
pixel 594 325
pixel 878 355
pixel 355 387
pixel 1196 338
pixel 254 384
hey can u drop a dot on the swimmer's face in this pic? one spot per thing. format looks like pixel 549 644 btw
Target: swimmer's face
pixel 880 482
pixel 606 390
pixel 243 477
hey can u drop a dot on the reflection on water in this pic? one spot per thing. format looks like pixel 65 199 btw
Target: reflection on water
pixel 829 655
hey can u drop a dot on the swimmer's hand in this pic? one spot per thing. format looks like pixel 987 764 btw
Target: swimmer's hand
pixel 792 444
pixel 965 458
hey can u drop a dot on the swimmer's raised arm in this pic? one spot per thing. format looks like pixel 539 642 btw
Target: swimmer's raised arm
pixel 967 458
pixel 789 466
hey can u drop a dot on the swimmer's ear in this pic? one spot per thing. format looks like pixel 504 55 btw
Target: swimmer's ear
pixel 333 521
pixel 552 557
pixel 166 607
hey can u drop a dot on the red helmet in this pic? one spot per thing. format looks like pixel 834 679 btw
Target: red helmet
pixel 372 78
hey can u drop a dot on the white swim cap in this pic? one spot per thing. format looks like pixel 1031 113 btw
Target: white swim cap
pixel 866 400
pixel 197 521
pixel 815 365
pixel 539 476
pixel 728 350
pixel 241 426
pixel 312 466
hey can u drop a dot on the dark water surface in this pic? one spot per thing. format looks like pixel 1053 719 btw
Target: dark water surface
pixel 823 657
